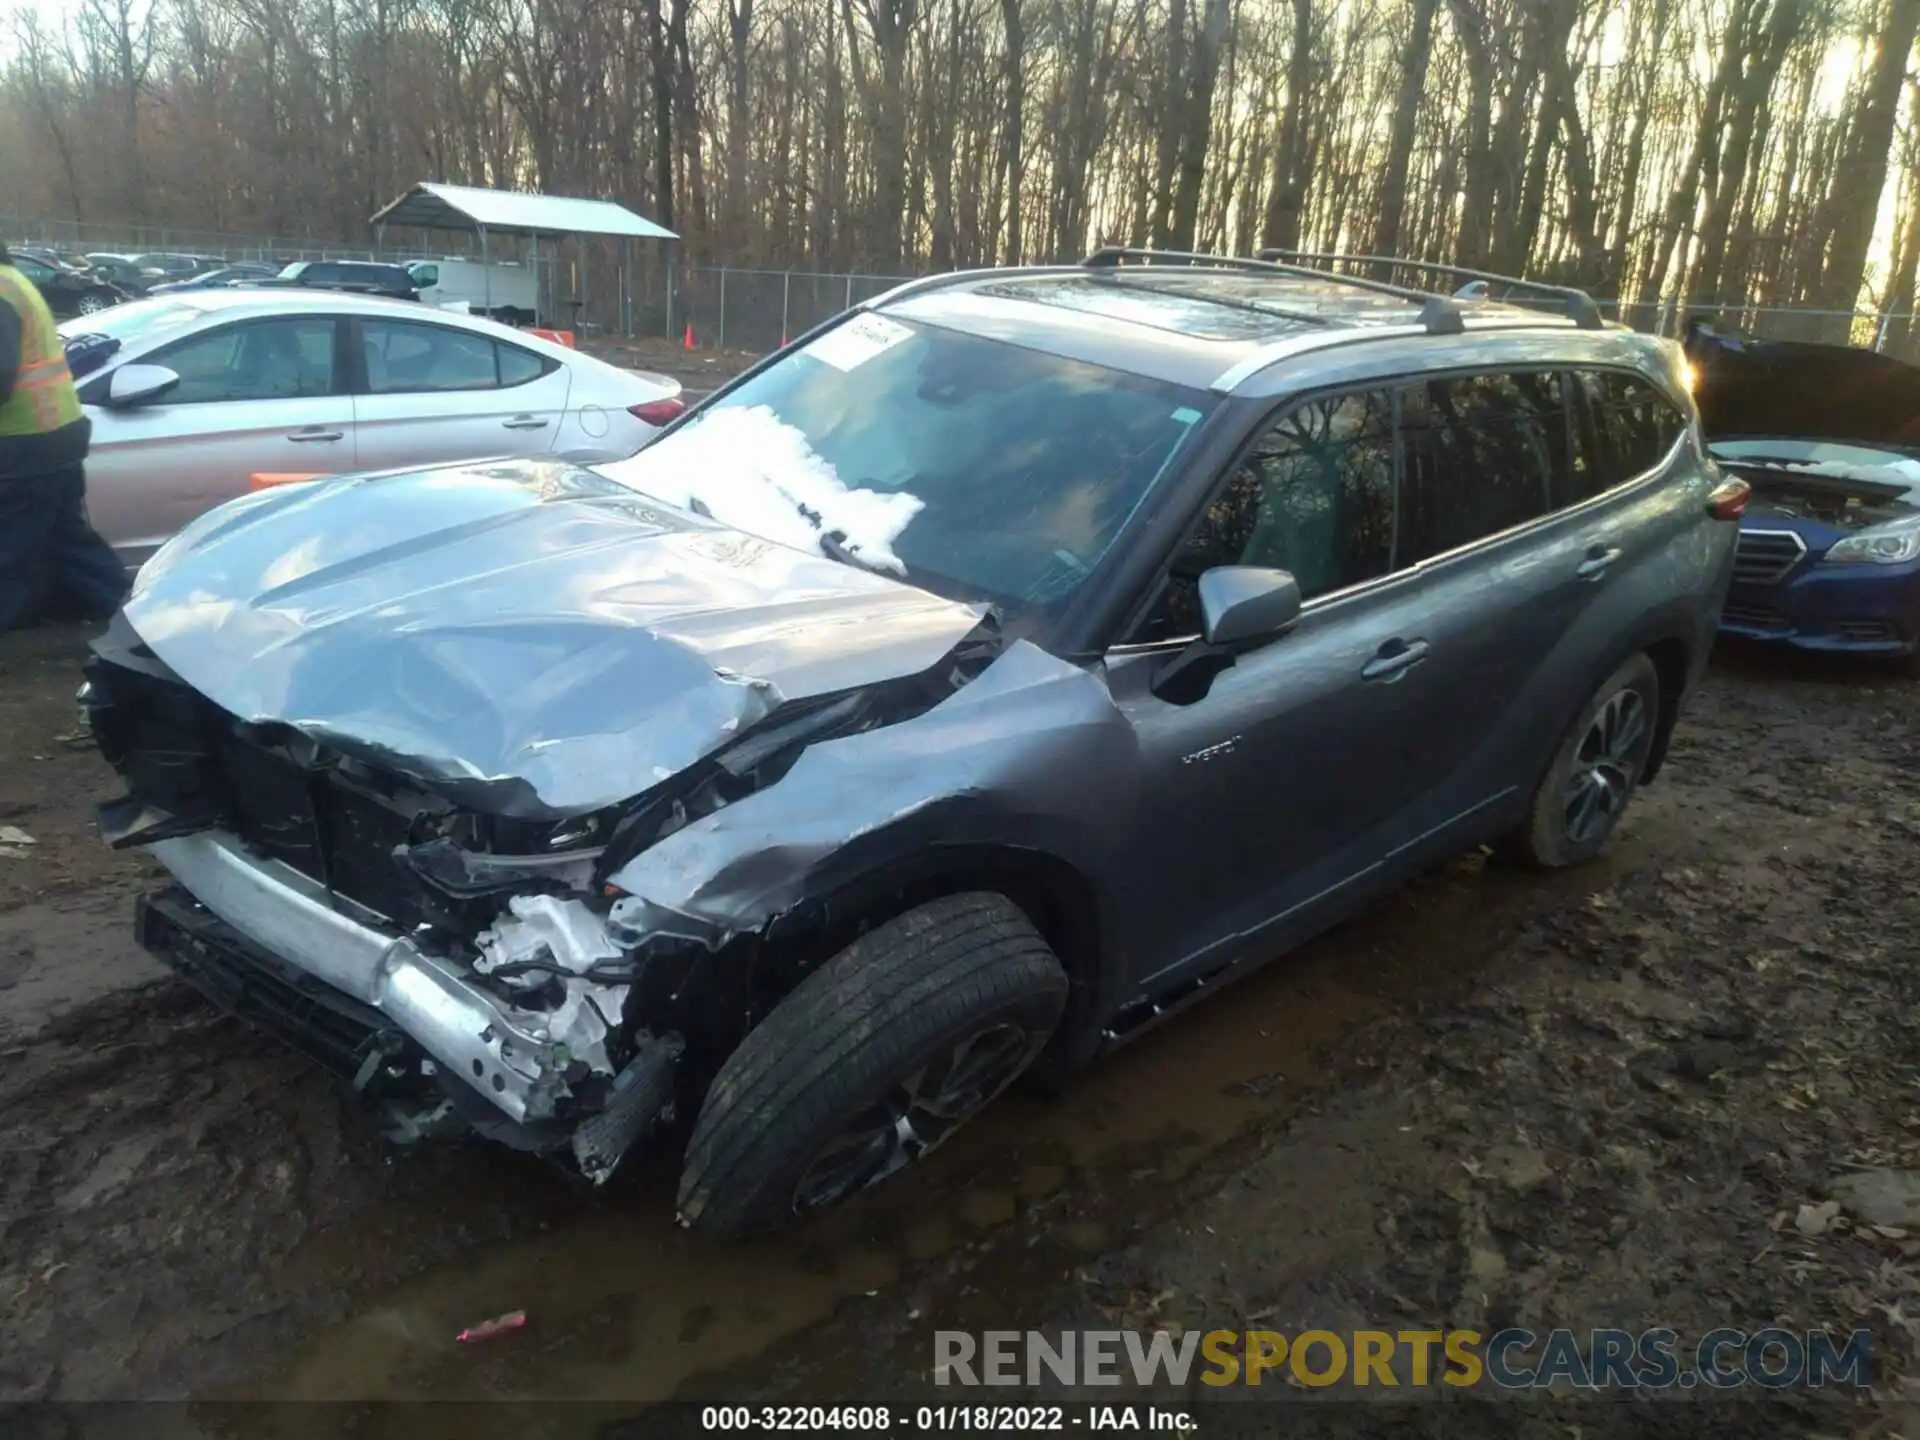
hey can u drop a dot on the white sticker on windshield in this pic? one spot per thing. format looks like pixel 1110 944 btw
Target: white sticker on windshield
pixel 849 346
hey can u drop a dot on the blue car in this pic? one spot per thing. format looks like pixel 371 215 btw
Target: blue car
pixel 1829 438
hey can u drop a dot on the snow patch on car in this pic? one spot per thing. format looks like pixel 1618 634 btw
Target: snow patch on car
pixel 1903 472
pixel 749 469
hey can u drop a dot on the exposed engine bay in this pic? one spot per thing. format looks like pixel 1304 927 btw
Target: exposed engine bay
pixel 476 969
pixel 1798 492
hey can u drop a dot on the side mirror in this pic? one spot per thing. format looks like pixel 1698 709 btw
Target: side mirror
pixel 139 385
pixel 1244 603
pixel 1241 606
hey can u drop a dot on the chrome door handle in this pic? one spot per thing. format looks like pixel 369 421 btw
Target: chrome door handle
pixel 1394 659
pixel 1596 564
pixel 301 437
pixel 525 422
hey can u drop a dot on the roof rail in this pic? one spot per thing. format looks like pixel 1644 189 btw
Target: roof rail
pixel 1575 304
pixel 1438 313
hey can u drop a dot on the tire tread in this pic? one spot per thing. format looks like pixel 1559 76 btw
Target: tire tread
pixel 863 1015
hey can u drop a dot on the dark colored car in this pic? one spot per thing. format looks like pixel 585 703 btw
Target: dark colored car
pixel 120 270
pixel 177 267
pixel 364 277
pixel 45 254
pixel 964 689
pixel 69 292
pixel 1829 438
pixel 241 272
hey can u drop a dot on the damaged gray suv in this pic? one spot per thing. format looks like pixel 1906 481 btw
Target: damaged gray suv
pixel 964 689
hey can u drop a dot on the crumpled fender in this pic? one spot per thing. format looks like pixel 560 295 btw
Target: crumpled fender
pixel 1033 754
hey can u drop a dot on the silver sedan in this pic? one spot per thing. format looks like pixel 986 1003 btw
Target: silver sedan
pixel 196 397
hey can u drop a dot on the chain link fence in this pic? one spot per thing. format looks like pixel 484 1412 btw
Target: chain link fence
pixel 611 288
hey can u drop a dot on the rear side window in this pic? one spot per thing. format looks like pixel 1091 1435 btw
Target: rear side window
pixel 360 273
pixel 518 366
pixel 1481 455
pixel 1630 426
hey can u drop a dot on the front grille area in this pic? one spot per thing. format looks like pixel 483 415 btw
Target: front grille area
pixel 1764 556
pixel 1761 617
pixel 189 765
pixel 321 824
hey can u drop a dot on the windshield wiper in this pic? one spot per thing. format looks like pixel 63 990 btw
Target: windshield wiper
pixel 834 544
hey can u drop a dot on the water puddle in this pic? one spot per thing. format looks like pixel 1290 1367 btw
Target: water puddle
pixel 624 1306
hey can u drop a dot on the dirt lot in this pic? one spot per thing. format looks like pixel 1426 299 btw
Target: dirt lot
pixel 1588 1099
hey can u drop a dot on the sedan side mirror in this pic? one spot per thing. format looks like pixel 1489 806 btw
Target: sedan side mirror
pixel 139 385
pixel 1243 604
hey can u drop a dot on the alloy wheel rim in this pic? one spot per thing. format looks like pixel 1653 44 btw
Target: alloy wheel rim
pixel 916 1114
pixel 1605 767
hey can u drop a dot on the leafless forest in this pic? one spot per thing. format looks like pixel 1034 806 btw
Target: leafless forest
pixel 1756 151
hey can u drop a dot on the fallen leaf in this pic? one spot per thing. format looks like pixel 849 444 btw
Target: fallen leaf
pixel 1816 1219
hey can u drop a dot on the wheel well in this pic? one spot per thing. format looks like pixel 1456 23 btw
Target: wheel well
pixel 1055 896
pixel 1670 664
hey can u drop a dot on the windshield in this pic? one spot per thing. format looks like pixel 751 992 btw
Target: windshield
pixel 979 469
pixel 132 323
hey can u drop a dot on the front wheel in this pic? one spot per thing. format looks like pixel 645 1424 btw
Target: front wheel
pixel 872 1061
pixel 93 302
pixel 1595 773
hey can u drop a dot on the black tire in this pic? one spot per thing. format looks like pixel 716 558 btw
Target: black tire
pixel 963 982
pixel 1549 839
pixel 93 302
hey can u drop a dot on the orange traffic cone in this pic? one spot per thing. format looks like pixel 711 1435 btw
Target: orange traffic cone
pixel 687 342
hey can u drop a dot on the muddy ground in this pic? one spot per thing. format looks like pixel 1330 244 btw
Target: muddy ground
pixel 1622 1095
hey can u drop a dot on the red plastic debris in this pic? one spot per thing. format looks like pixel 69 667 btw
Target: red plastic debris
pixel 487 1329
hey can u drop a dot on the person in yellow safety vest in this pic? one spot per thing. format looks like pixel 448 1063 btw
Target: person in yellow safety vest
pixel 52 563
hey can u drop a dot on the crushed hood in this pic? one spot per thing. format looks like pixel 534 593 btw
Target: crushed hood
pixel 528 637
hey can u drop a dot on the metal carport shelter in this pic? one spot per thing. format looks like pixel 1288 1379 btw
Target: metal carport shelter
pixel 432 206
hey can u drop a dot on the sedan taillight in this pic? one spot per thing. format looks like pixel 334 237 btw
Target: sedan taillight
pixel 658 412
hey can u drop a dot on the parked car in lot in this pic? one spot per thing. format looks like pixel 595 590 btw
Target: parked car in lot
pixel 1829 438
pixel 241 272
pixel 963 689
pixel 192 394
pixel 360 276
pixel 69 292
pixel 45 254
pixel 120 270
pixel 170 266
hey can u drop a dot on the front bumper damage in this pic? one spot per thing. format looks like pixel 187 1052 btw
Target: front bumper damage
pixel 407 1026
pixel 466 967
